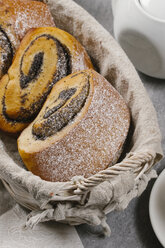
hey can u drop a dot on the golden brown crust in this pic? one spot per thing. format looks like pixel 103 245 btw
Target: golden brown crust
pixel 87 144
pixel 23 15
pixel 45 55
pixel 16 18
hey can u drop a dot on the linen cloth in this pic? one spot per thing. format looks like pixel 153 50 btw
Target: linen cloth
pixel 60 201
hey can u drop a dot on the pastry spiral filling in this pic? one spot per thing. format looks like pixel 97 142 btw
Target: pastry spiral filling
pixel 61 110
pixel 44 57
pixel 6 52
pixel 44 62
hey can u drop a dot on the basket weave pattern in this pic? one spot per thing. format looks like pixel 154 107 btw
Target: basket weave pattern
pixel 88 200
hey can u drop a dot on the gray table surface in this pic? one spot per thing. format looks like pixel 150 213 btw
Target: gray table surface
pixel 130 228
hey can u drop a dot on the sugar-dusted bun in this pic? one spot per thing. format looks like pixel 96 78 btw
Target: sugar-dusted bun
pixel 45 55
pixel 79 131
pixel 16 18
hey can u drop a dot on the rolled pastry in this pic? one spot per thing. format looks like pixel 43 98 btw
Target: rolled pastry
pixel 44 57
pixel 16 18
pixel 80 129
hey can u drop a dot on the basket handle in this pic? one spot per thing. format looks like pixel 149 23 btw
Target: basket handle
pixel 136 163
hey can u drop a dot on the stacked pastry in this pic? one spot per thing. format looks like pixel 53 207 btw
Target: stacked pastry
pixel 74 121
pixel 44 56
pixel 16 18
pixel 80 129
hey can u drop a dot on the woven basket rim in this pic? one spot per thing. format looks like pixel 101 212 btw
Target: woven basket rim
pixel 150 154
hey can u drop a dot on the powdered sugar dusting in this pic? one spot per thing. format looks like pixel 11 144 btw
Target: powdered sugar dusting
pixel 16 18
pixel 93 144
pixel 31 15
pixel 19 16
pixel 81 59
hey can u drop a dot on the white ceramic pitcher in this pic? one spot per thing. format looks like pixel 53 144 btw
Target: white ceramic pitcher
pixel 139 27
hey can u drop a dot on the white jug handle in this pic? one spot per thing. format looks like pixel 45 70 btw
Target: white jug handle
pixel 114 4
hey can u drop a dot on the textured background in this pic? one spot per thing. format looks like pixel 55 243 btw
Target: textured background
pixel 130 228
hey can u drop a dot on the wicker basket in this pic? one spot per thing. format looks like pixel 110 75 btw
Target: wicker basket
pixel 88 200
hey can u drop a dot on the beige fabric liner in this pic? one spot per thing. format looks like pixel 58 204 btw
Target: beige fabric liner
pixel 89 200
